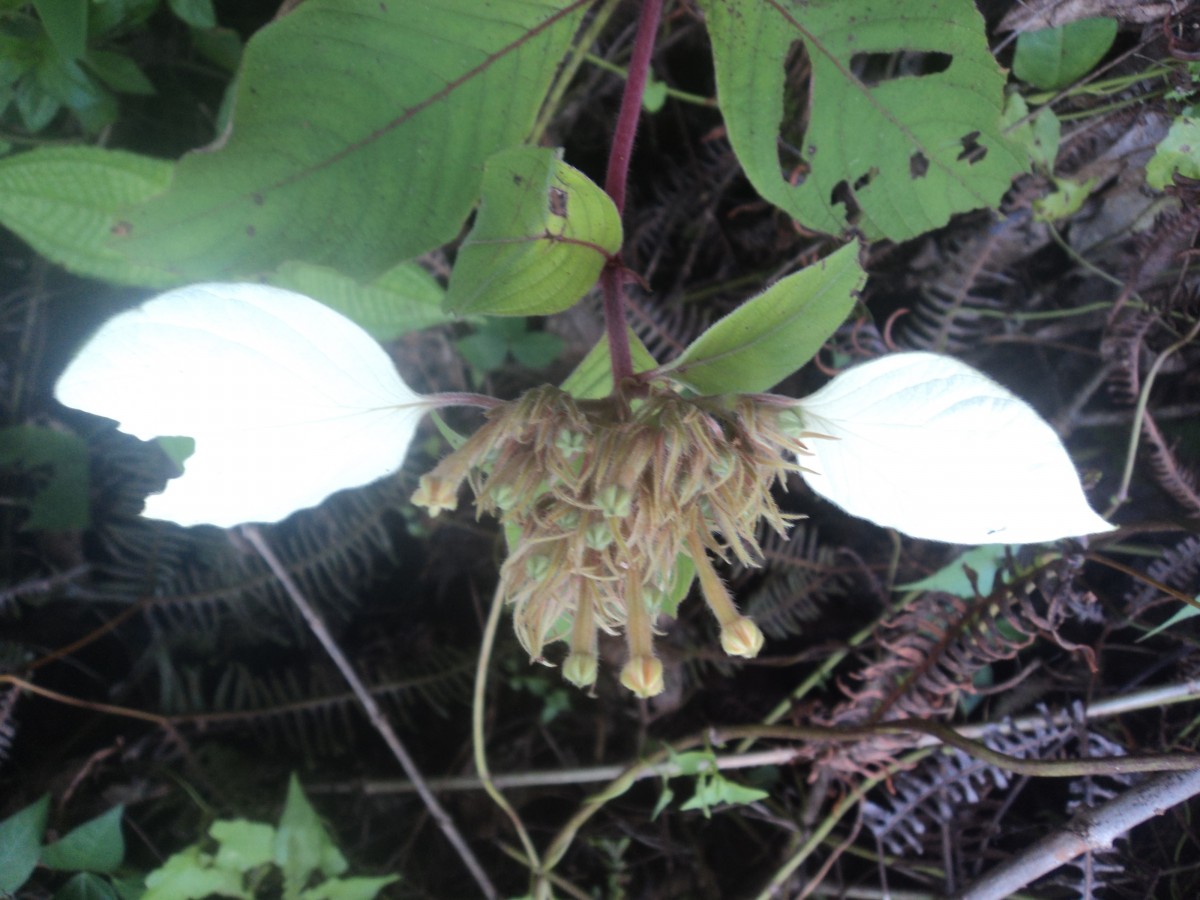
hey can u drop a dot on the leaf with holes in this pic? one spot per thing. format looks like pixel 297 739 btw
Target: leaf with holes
pixel 543 233
pixel 358 136
pixel 903 113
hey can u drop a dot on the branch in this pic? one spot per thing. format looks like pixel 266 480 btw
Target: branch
pixel 1093 829
pixel 373 711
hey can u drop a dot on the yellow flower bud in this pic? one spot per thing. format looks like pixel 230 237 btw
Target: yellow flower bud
pixel 741 637
pixel 580 669
pixel 644 676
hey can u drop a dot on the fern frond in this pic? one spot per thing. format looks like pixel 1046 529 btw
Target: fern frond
pixel 965 284
pixel 308 705
pixel 1173 477
pixel 8 720
pixel 1177 567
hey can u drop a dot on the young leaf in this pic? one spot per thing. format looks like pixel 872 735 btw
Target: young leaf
pixel 119 72
pixel 889 155
pixel 189 875
pixel 66 202
pixel 243 845
pixel 767 338
pixel 592 378
pixel 933 448
pixel 287 400
pixel 1182 614
pixel 1052 58
pixel 197 13
pixel 543 233
pixel 358 136
pixel 87 886
pixel 1176 152
pixel 94 846
pixel 349 888
pixel 66 21
pixel 302 845
pixel 20 838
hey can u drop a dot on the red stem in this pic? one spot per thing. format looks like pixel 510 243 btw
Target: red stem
pixel 612 279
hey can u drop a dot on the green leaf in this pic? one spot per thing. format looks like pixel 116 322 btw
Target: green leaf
pixel 1064 201
pixel 243 845
pixel 87 886
pixel 893 152
pixel 178 448
pixel 67 82
pixel 66 21
pixel 592 378
pixel 189 875
pixel 1182 614
pixel 37 108
pixel 349 888
pixel 58 463
pixel 666 795
pixel 1052 58
pixel 302 845
pixel 1178 152
pixel 20 838
pixel 65 202
pixel 985 561
pixel 95 846
pixel 536 349
pixel 1040 134
pixel 387 112
pixel 772 335
pixel 543 233
pixel 714 789
pixel 403 299
pixel 119 72
pixel 197 13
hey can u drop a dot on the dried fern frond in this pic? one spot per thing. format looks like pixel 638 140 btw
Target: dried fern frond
pixel 966 283
pixel 1171 475
pixel 946 794
pixel 931 653
pixel 1177 567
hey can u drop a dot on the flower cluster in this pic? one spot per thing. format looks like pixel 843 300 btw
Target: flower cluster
pixel 611 498
pixel 612 506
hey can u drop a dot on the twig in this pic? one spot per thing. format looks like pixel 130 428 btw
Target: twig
pixel 374 713
pixel 1151 698
pixel 1093 829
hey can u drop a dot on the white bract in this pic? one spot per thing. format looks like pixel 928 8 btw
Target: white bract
pixel 931 447
pixel 287 400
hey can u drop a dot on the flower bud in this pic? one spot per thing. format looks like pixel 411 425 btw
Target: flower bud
pixel 436 494
pixel 597 536
pixel 644 676
pixel 741 637
pixel 580 669
pixel 614 501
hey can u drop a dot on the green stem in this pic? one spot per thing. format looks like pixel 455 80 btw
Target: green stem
pixel 479 738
